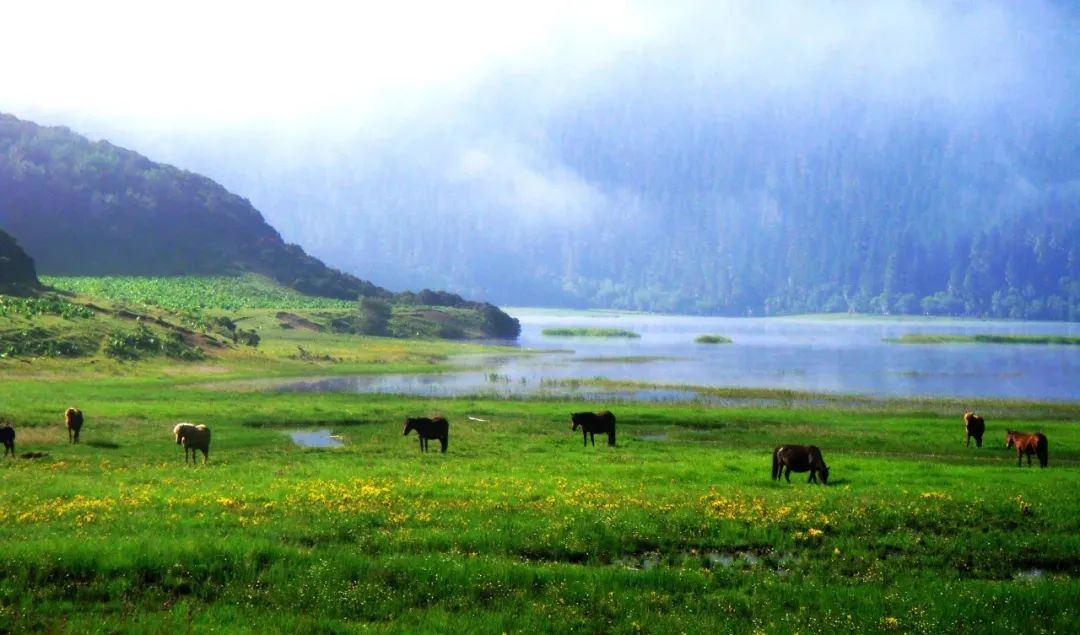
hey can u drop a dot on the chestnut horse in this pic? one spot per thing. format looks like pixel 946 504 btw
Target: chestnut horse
pixel 73 419
pixel 799 458
pixel 592 423
pixel 974 427
pixel 434 428
pixel 1028 444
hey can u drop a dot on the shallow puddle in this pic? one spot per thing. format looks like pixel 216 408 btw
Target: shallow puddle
pixel 315 439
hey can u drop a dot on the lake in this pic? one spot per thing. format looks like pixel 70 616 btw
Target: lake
pixel 841 355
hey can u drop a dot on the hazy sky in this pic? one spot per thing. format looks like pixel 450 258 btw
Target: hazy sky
pixel 323 111
pixel 210 63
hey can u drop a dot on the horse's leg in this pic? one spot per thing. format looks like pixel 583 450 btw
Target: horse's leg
pixel 787 473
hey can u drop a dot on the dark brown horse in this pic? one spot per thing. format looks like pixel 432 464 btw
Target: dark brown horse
pixel 974 427
pixel 7 437
pixel 1026 443
pixel 593 423
pixel 434 428
pixel 799 458
pixel 73 419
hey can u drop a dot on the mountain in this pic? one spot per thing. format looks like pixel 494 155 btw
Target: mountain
pixel 17 273
pixel 91 208
pixel 681 209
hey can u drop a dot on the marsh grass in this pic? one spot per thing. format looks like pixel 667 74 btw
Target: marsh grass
pixel 588 331
pixel 920 338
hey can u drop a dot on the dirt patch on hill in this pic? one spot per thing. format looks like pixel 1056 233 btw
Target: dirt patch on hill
pixel 291 320
pixel 434 316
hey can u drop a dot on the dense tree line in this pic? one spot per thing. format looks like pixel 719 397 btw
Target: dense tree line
pixel 783 211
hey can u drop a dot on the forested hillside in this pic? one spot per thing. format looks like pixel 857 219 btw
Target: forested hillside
pixel 775 212
pixel 83 208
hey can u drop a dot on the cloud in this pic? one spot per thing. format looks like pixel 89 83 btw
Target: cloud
pixel 507 180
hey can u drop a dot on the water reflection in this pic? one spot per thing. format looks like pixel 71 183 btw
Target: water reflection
pixel 315 439
pixel 832 356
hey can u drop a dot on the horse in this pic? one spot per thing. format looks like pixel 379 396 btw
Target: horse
pixel 592 423
pixel 193 437
pixel 1026 443
pixel 799 458
pixel 974 427
pixel 73 418
pixel 434 428
pixel 7 437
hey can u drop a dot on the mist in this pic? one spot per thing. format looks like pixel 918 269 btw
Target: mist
pixel 567 153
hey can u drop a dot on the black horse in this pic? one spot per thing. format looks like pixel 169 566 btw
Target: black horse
pixel 799 458
pixel 435 428
pixel 7 437
pixel 593 423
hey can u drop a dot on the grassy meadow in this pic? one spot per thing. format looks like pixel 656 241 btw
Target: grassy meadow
pixel 518 528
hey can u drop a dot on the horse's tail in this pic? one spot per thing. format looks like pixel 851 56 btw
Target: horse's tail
pixel 776 464
pixel 1043 450
pixel 444 441
pixel 611 437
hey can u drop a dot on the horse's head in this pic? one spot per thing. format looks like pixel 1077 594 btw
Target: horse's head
pixel 408 427
pixel 574 421
pixel 823 474
pixel 1010 439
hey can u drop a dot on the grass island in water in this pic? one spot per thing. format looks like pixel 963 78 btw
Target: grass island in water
pixel 921 338
pixel 588 331
pixel 712 339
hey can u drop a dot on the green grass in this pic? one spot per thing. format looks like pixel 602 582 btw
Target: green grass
pixel 194 293
pixel 518 528
pixel 588 331
pixel 920 338
pixel 712 339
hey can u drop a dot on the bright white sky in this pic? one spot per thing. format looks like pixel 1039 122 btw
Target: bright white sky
pixel 227 61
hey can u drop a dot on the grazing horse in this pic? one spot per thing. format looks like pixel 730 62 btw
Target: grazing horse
pixel 592 423
pixel 434 428
pixel 1026 443
pixel 193 438
pixel 7 437
pixel 799 458
pixel 73 419
pixel 974 427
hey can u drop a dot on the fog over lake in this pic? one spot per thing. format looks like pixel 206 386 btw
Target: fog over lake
pixel 806 354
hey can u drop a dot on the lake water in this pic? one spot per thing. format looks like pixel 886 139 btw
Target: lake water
pixel 818 355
